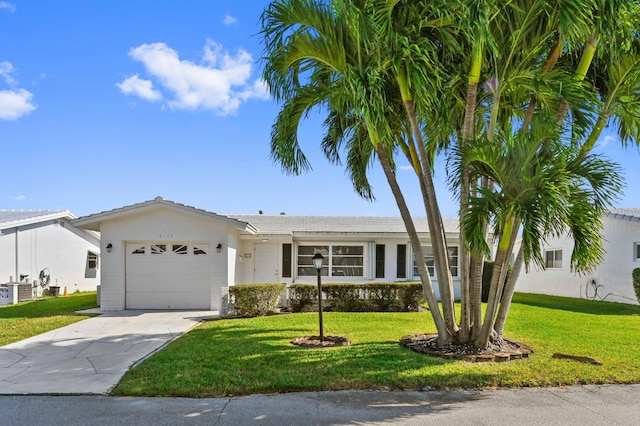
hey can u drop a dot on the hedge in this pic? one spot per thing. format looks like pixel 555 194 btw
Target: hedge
pixel 361 297
pixel 636 282
pixel 250 300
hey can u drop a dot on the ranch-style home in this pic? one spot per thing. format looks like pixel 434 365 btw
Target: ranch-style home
pixel 159 254
pixel 611 281
pixel 42 245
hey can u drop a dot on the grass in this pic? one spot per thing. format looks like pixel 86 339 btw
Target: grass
pixel 245 356
pixel 26 319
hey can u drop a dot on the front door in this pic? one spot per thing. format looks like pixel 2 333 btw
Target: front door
pixel 266 264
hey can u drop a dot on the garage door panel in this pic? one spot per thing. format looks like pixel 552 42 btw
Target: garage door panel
pixel 168 276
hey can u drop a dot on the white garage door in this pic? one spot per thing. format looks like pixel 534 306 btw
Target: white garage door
pixel 168 275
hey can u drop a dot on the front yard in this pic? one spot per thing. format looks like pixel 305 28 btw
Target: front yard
pixel 26 319
pixel 238 357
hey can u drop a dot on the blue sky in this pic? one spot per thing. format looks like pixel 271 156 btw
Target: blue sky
pixel 105 104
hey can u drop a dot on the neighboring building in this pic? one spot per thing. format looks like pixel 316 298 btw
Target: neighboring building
pixel 37 243
pixel 163 255
pixel 611 281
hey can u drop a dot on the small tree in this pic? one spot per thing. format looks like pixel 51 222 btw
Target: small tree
pixel 636 282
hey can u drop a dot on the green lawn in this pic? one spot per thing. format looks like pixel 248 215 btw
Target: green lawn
pixel 26 319
pixel 238 357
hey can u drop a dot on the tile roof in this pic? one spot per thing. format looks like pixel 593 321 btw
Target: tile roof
pixel 625 213
pixel 286 224
pixel 13 218
pixel 93 221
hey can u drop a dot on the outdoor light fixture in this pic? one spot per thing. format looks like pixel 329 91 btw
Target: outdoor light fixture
pixel 109 247
pixel 218 248
pixel 317 262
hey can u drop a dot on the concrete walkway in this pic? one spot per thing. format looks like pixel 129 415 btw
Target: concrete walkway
pixel 90 356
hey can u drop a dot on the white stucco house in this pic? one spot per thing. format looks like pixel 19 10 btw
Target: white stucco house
pixel 34 243
pixel 159 254
pixel 611 281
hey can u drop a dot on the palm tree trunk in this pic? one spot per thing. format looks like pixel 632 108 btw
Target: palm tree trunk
pixel 444 336
pixel 505 247
pixel 434 217
pixel 507 295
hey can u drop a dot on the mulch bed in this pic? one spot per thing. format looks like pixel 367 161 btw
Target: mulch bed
pixel 507 350
pixel 314 341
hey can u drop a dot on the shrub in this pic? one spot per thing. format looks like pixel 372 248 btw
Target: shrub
pixel 377 297
pixel 345 297
pixel 301 296
pixel 487 271
pixel 636 282
pixel 250 300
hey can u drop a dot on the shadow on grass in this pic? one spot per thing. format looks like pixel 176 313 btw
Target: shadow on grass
pixel 50 306
pixel 237 358
pixel 576 305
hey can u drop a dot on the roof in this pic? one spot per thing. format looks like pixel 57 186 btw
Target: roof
pixel 625 213
pixel 285 224
pixel 15 218
pixel 93 221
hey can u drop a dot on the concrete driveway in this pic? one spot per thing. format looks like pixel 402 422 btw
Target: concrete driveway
pixel 90 356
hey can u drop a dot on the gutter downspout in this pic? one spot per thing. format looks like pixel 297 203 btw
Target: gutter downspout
pixel 17 276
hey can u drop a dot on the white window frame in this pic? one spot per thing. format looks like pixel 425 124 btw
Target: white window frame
pixel 556 263
pixel 93 258
pixel 636 252
pixel 429 259
pixel 328 263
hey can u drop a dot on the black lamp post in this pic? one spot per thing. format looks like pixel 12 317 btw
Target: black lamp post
pixel 317 262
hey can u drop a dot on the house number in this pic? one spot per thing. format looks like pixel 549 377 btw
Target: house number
pixel 166 236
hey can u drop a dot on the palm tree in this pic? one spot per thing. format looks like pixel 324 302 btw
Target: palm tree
pixel 398 76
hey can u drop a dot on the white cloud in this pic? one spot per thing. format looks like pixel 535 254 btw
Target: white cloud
pixel 607 140
pixel 15 104
pixel 8 6
pixel 406 168
pixel 228 20
pixel 221 83
pixel 134 85
pixel 19 198
pixel 6 69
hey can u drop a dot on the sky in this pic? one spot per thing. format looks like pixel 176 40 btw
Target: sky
pixel 107 104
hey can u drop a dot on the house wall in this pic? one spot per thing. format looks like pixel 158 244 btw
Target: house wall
pixel 612 278
pixel 246 260
pixel 160 225
pixel 55 245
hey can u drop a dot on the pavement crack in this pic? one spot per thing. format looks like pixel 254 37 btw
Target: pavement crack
pixel 559 394
pixel 222 411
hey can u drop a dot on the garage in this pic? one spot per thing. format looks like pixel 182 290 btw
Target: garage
pixel 168 275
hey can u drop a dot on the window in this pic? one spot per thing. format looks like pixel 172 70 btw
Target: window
pixel 636 252
pixel 427 251
pixel 138 250
pixel 379 260
pixel 401 259
pixel 92 260
pixel 180 249
pixel 158 248
pixel 339 260
pixel 199 250
pixel 553 259
pixel 286 261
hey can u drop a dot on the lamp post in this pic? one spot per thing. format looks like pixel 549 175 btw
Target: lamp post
pixel 317 262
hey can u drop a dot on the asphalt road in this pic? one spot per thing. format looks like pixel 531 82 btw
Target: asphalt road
pixel 583 405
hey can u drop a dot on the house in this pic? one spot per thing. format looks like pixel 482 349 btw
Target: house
pixel 42 245
pixel 159 254
pixel 611 281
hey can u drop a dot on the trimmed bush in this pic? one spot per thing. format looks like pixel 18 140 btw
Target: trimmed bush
pixel 250 300
pixel 345 297
pixel 370 297
pixel 302 296
pixel 636 282
pixel 487 271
